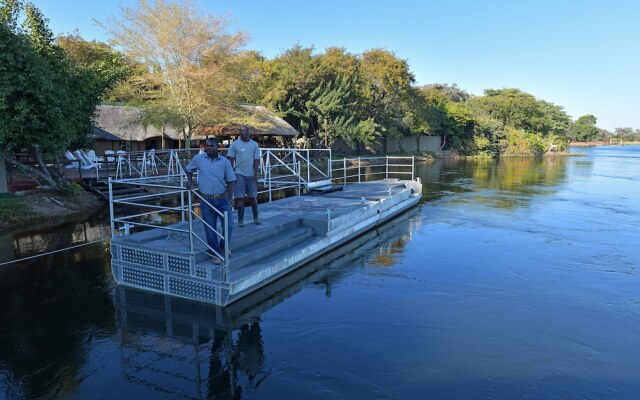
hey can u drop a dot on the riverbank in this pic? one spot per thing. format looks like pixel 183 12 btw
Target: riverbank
pixel 592 144
pixel 46 207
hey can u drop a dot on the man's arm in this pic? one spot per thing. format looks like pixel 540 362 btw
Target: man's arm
pixel 232 160
pixel 256 166
pixel 230 190
pixel 189 183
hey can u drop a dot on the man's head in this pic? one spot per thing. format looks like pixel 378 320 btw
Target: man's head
pixel 211 147
pixel 244 133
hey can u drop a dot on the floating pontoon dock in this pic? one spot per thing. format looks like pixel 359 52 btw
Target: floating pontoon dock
pixel 329 210
pixel 191 346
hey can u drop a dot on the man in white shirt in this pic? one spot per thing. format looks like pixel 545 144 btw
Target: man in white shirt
pixel 244 155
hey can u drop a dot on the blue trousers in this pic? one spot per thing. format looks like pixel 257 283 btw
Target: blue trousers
pixel 210 216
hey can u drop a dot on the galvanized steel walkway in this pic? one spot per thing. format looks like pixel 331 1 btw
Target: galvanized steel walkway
pixel 294 231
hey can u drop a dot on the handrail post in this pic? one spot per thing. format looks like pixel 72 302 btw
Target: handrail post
pixel 344 172
pixel 225 269
pixel 293 161
pixel 359 166
pixel 308 167
pixel 270 171
pixel 386 170
pixel 113 231
pixel 190 201
pixel 413 167
pixel 299 181
pixel 182 200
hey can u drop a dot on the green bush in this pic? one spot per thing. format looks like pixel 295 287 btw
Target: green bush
pixel 14 209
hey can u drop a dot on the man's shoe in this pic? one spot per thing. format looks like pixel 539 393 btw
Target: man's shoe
pixel 257 221
pixel 240 224
pixel 216 261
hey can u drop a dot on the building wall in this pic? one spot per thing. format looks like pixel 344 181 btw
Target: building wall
pixel 393 146
pixel 429 143
pixel 407 144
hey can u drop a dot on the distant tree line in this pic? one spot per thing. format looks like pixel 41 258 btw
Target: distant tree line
pixel 186 71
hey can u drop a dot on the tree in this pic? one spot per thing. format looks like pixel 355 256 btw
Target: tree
pixel 386 91
pixel 46 100
pixel 507 116
pixel 108 66
pixel 584 129
pixel 186 55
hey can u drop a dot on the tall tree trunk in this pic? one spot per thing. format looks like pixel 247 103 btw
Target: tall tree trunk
pixel 444 141
pixel 58 181
pixel 44 171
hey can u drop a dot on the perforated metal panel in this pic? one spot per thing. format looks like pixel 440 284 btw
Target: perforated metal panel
pixel 142 257
pixel 201 272
pixel 193 290
pixel 179 264
pixel 143 278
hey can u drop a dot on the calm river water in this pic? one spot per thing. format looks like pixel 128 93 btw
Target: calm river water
pixel 515 279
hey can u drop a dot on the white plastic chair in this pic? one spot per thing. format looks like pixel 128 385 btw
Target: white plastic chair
pixel 93 158
pixel 74 161
pixel 85 163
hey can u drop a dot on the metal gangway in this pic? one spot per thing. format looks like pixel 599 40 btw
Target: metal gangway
pixel 283 172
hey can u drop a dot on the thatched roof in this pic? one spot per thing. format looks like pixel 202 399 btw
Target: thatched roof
pixel 125 123
pixel 101 134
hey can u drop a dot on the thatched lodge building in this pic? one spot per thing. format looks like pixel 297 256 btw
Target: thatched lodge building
pixel 122 127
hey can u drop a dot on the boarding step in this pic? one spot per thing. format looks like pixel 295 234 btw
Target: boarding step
pixel 266 247
pixel 269 245
pixel 264 263
pixel 251 234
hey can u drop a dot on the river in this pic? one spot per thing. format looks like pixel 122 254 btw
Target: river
pixel 514 279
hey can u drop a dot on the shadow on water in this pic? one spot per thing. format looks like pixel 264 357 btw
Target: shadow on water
pixel 52 308
pixel 225 356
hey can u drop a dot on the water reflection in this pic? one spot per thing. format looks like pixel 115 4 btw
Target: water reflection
pixel 52 309
pixel 31 240
pixel 459 299
pixel 193 350
pixel 507 183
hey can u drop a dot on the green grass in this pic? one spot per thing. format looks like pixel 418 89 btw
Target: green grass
pixel 14 209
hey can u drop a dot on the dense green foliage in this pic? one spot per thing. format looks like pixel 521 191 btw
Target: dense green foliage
pixel 189 73
pixel 359 98
pixel 47 100
pixel 584 129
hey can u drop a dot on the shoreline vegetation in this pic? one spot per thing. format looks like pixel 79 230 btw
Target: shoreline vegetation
pixel 39 208
pixel 48 207
pixel 601 143
pixel 54 84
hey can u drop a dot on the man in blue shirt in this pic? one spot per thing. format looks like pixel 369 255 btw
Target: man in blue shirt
pixel 215 182
pixel 244 155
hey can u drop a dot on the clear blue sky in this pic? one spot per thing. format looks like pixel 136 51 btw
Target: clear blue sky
pixel 582 55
